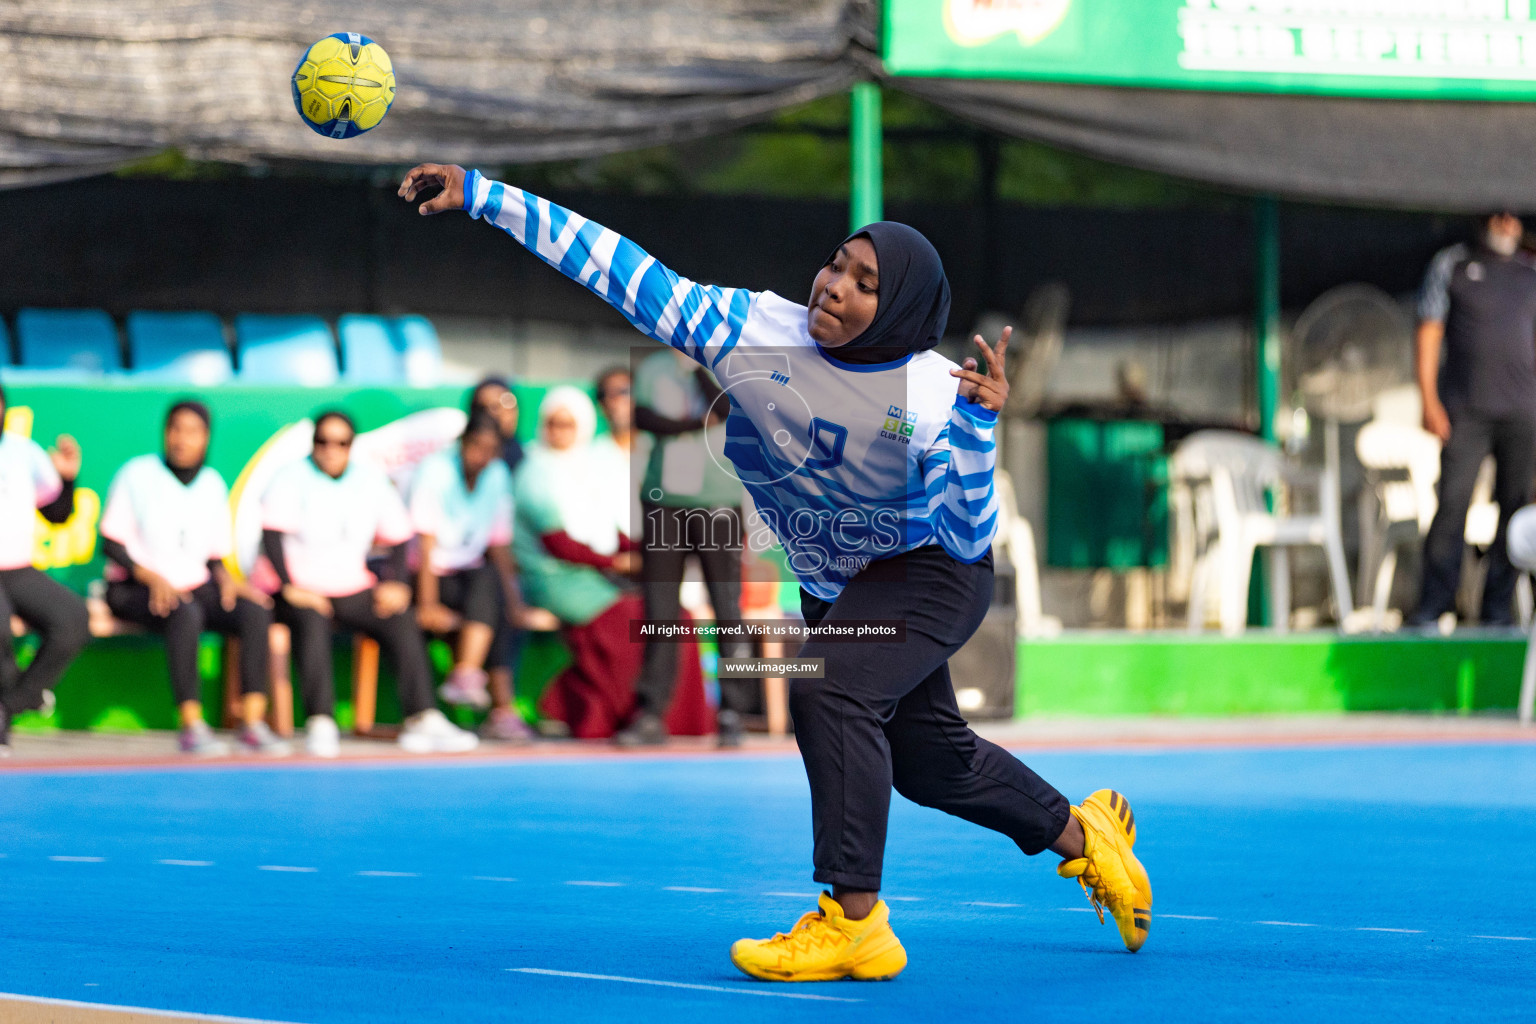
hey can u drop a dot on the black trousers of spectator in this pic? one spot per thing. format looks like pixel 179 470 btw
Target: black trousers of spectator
pixel 399 637
pixel 1512 443
pixel 476 595
pixel 59 616
pixel 249 621
pixel 885 715
pixel 669 536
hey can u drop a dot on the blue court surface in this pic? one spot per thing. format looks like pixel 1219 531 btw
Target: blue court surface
pixel 1360 883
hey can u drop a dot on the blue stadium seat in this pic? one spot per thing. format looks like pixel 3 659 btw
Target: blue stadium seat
pixel 184 348
pixel 369 350
pixel 285 350
pixel 423 352
pixel 72 341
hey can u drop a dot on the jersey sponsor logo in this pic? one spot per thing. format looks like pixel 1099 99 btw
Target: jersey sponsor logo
pixel 898 425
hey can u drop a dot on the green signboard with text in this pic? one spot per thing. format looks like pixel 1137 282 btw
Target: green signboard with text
pixel 1440 49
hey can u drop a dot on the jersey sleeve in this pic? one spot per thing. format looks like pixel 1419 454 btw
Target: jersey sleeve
pixel 222 536
pixel 394 522
pixel 703 321
pixel 118 520
pixel 1435 293
pixel 282 505
pixel 957 479
pixel 46 484
pixel 426 504
pixel 501 525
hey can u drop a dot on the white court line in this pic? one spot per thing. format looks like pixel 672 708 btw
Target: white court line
pixel 77 860
pixel 389 874
pixel 187 863
pixel 600 885
pixel 1400 931
pixel 902 899
pixel 1288 924
pixel 286 867
pixel 980 903
pixel 1506 938
pixel 689 888
pixel 743 991
pixel 1078 910
pixel 794 895
pixel 113 1007
pixel 491 878
pixel 1189 917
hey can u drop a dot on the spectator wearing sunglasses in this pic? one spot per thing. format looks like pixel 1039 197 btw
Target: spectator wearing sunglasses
pixel 320 517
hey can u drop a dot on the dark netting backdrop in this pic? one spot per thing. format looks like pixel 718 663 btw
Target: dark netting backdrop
pixel 88 85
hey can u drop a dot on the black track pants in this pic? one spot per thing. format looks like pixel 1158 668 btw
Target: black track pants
pixel 248 621
pixel 1512 443
pixel 399 638
pixel 670 536
pixel 885 715
pixel 59 616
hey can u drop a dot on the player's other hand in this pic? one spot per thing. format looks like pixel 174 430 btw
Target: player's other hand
pixel 437 618
pixel 301 598
pixel 65 455
pixel 990 389
pixel 448 177
pixel 390 597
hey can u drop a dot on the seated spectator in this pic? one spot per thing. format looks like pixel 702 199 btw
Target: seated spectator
pixel 166 531
pixel 494 395
pixel 320 518
pixel 33 481
pixel 572 553
pixel 461 509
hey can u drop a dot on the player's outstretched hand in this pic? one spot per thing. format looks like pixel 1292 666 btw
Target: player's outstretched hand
pixel 990 389
pixel 448 177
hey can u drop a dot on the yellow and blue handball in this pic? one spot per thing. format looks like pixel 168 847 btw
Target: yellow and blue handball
pixel 344 85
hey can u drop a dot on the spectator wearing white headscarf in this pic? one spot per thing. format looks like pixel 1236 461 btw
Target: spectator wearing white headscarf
pixel 573 552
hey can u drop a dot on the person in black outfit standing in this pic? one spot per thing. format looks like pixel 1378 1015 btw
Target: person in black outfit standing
pixel 1478 304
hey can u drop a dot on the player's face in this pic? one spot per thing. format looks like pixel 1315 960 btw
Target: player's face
pixel 560 430
pixel 617 406
pixel 333 447
pixel 845 296
pixel 478 450
pixel 186 440
pixel 501 404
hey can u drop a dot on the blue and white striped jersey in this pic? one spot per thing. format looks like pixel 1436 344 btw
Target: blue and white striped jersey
pixel 845 463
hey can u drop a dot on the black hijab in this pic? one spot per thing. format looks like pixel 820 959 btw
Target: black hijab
pixel 186 474
pixel 914 296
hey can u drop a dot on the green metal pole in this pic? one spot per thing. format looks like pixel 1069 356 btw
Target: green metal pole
pixel 865 186
pixel 1266 335
pixel 1266 326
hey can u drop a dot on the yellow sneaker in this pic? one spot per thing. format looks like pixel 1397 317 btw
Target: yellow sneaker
pixel 1108 871
pixel 825 946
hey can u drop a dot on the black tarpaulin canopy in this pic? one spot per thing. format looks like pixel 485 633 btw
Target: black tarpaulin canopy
pixel 89 85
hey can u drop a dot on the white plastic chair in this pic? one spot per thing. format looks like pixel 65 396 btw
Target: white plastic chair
pixel 1402 464
pixel 1521 542
pixel 1231 477
pixel 1016 539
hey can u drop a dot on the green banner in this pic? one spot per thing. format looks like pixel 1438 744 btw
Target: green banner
pixel 1427 49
